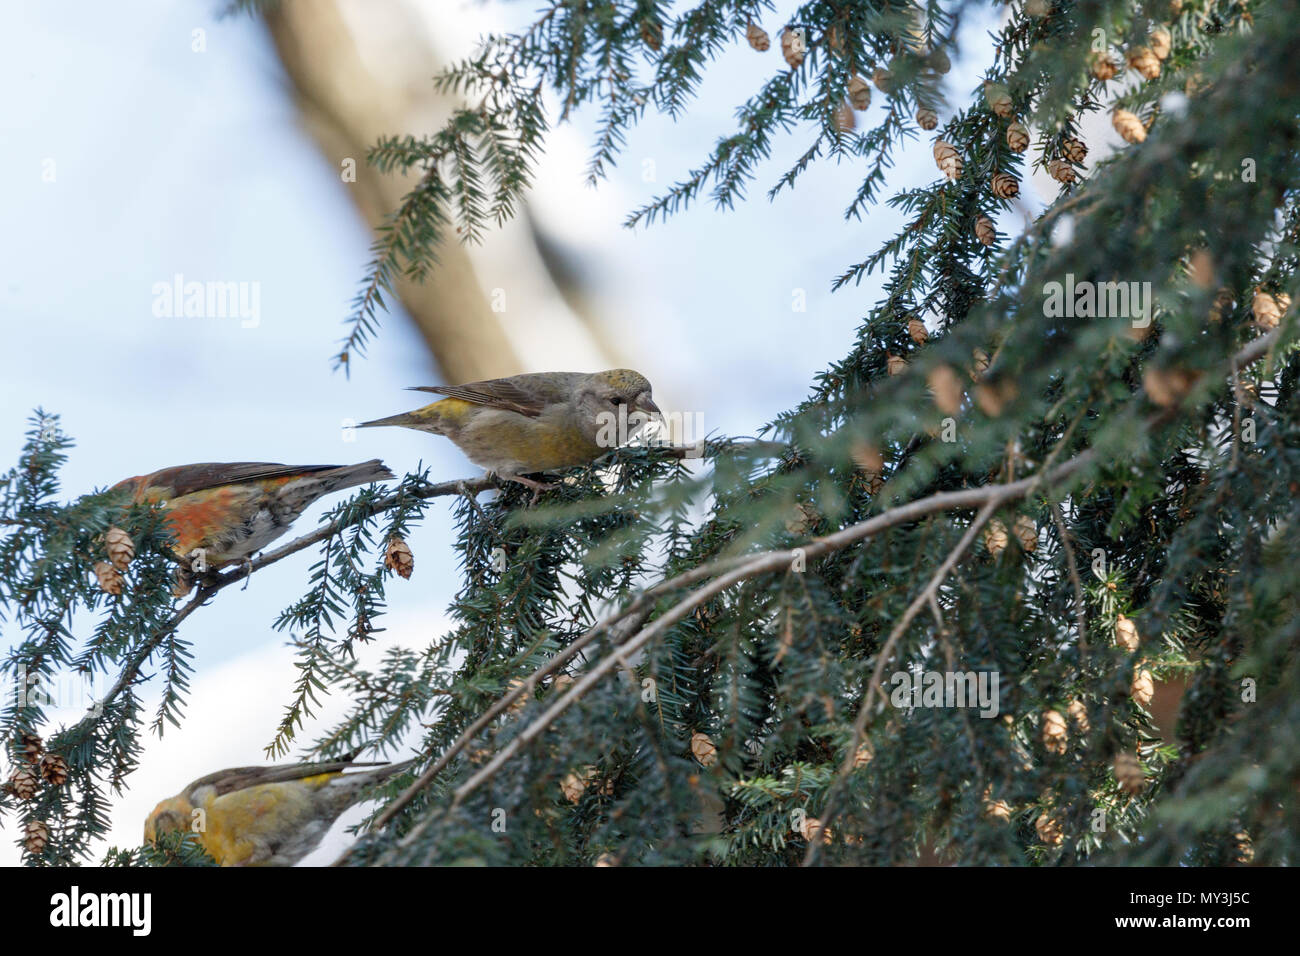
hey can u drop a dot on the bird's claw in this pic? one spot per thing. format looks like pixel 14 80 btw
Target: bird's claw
pixel 537 486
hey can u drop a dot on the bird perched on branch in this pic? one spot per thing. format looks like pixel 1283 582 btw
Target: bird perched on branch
pixel 228 511
pixel 265 816
pixel 539 422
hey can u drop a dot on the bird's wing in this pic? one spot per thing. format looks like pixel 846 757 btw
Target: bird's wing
pixel 186 479
pixel 238 778
pixel 526 394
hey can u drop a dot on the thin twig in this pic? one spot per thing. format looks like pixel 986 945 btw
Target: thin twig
pixel 886 655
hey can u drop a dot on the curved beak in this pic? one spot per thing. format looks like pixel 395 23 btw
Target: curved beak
pixel 645 404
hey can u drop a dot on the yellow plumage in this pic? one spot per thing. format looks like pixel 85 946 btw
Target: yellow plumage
pixel 263 816
pixel 540 422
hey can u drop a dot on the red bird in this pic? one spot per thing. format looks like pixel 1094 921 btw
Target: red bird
pixel 229 511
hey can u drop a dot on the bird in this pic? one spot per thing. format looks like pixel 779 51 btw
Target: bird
pixel 536 422
pixel 265 816
pixel 221 513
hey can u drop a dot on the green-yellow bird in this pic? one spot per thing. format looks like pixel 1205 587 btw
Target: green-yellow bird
pixel 265 816
pixel 539 422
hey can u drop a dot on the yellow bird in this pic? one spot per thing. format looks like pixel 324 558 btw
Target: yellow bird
pixel 539 422
pixel 265 816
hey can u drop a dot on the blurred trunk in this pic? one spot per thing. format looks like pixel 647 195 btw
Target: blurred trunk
pixel 364 70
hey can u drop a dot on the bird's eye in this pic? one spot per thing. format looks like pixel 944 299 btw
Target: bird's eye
pixel 618 401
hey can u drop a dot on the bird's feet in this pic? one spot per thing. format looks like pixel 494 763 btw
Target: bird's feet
pixel 537 486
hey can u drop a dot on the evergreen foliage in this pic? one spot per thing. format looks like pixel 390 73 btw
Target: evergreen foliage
pixel 665 664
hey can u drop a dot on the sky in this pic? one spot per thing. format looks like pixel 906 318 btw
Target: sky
pixel 130 158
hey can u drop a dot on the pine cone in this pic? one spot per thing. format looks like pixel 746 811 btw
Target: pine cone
pixel 868 457
pixel 793 46
pixel 573 786
pixel 872 465
pixel 1005 186
pixel 926 118
pixel 119 547
pixel 1126 634
pixel 1055 734
pixel 1222 305
pixel 1143 688
pixel 1129 126
pixel 1269 309
pixel 24 782
pixel 1167 387
pixel 36 835
pixel 993 398
pixel 54 770
pixel 757 37
pixel 1079 714
pixel 29 748
pixel 1049 829
pixel 1103 67
pixel 917 330
pixel 938 61
pixel 109 578
pixel 844 120
pixel 1076 150
pixel 995 809
pixel 523 700
pixel 859 92
pixel 1245 848
pixel 946 387
pixel 1144 61
pixel 985 231
pixel 1162 43
pixel 981 364
pixel 1018 137
pixel 1128 771
pixel 895 364
pixel 880 76
pixel 999 99
pixel 1060 170
pixel 995 537
pixel 703 750
pixel 398 557
pixel 1026 533
pixel 947 159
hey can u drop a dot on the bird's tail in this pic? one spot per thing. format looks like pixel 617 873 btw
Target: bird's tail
pixel 380 774
pixel 347 788
pixel 348 476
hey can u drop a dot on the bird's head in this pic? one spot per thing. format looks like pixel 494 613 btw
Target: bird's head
pixel 619 391
pixel 168 817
